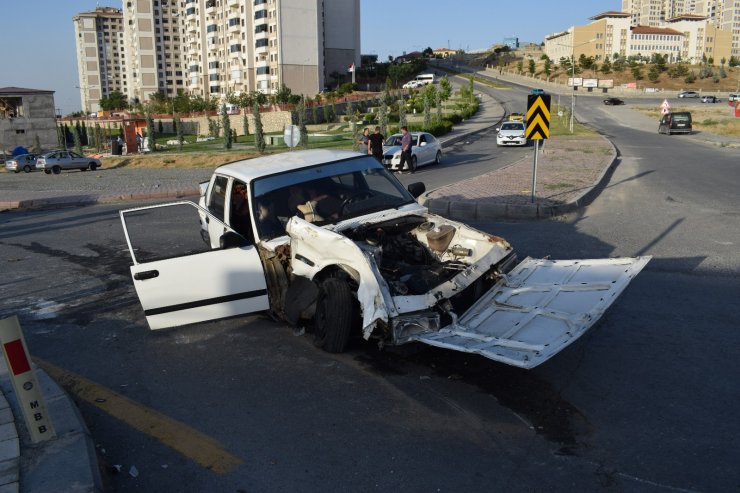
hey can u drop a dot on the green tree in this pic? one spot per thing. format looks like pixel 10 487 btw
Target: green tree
pixel 547 68
pixel 283 94
pixel 114 101
pixel 245 122
pixel 520 66
pixel 60 136
pixel 427 114
pixel 654 73
pixel 606 67
pixel 77 138
pixel 226 123
pixel 150 131
pixel 445 88
pixel 402 120
pixel 259 137
pixel 438 105
pixel 383 117
pixel 531 66
pixel 302 123
pixel 178 130
pixel 637 72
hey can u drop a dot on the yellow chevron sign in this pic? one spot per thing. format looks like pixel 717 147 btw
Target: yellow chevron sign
pixel 538 117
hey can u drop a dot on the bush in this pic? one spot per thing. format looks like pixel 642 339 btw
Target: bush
pixel 691 78
pixel 441 128
pixel 454 118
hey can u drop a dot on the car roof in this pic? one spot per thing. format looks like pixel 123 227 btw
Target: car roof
pixel 250 169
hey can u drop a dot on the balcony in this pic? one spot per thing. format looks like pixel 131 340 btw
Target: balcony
pixel 233 4
pixel 211 7
pixel 234 25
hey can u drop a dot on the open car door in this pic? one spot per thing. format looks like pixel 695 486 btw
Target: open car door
pixel 538 309
pixel 178 277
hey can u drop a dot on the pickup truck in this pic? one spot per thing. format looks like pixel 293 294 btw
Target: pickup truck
pixel 330 241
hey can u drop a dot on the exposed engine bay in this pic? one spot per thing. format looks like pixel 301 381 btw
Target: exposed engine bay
pixel 409 266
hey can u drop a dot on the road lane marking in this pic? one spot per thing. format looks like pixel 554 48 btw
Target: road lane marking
pixel 189 442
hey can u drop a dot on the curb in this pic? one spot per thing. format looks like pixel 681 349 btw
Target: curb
pixel 467 210
pixel 65 463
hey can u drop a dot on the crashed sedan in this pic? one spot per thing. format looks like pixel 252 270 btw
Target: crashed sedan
pixel 330 240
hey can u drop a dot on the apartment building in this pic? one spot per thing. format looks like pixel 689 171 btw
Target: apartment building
pixel 152 47
pixel 101 64
pixel 687 37
pixel 235 46
pixel 723 14
pixel 607 34
pixel 701 39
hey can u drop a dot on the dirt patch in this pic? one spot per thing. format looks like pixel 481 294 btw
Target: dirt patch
pixel 715 118
pixel 169 160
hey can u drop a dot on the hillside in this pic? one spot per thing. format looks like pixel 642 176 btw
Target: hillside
pixel 730 83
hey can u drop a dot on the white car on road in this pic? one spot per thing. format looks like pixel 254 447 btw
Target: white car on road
pixel 331 241
pixel 426 149
pixel 511 134
pixel 412 84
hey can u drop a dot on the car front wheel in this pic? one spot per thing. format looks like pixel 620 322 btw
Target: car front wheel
pixel 56 170
pixel 333 318
pixel 93 166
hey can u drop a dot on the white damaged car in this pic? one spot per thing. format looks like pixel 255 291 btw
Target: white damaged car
pixel 332 241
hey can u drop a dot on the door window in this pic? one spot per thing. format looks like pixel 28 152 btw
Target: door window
pixel 217 198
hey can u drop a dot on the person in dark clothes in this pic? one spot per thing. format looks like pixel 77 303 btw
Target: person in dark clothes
pixel 376 141
pixel 406 143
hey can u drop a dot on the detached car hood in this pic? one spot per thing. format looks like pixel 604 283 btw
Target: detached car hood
pixel 538 309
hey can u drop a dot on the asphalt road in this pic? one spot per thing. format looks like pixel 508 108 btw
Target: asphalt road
pixel 647 401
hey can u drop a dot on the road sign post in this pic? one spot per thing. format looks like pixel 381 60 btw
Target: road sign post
pixel 25 383
pixel 538 128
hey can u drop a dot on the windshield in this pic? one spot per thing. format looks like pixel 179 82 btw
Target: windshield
pixel 325 194
pixel 512 126
pixel 393 140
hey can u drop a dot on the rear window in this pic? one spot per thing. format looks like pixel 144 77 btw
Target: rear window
pixel 682 117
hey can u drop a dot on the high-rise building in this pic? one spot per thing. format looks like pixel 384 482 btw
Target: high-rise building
pixel 235 46
pixel 212 48
pixel 101 64
pixel 152 48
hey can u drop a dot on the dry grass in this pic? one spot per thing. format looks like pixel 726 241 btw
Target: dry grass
pixel 713 118
pixel 174 161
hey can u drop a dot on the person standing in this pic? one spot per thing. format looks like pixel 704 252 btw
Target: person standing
pixel 406 158
pixel 375 145
pixel 363 142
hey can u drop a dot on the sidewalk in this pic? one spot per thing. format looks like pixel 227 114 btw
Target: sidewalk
pixel 569 173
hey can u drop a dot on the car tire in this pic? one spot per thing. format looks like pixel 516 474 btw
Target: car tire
pixel 333 317
pixel 93 166
pixel 26 169
pixel 438 157
pixel 413 163
pixel 56 170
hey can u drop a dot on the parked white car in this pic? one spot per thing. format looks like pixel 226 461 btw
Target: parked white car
pixel 426 149
pixel 330 240
pixel 511 134
pixel 412 84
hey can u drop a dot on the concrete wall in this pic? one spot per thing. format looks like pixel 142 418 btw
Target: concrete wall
pixel 35 119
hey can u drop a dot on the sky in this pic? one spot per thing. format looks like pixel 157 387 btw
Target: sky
pixel 37 46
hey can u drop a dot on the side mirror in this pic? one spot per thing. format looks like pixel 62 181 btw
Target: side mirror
pixel 231 239
pixel 416 189
pixel 496 129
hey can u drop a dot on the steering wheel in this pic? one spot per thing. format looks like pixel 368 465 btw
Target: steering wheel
pixel 354 197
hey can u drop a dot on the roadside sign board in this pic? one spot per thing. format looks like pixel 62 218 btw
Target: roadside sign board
pixel 538 117
pixel 25 383
pixel 665 107
pixel 292 135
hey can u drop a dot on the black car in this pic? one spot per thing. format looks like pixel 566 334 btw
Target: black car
pixel 613 101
